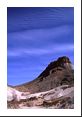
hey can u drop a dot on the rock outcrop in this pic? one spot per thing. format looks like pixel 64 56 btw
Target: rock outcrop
pixel 57 98
pixel 15 95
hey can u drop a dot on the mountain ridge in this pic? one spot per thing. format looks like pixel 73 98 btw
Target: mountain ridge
pixel 56 70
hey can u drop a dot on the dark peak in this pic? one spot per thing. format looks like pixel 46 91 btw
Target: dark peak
pixel 63 59
pixel 59 63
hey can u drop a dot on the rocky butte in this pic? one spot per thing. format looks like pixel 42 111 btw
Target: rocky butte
pixel 53 88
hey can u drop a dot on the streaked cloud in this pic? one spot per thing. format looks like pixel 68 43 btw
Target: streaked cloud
pixel 27 18
pixel 42 51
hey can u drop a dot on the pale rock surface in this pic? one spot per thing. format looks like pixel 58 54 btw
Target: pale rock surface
pixel 60 97
pixel 13 94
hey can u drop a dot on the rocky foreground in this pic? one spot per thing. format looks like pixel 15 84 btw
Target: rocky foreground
pixel 61 97
pixel 52 89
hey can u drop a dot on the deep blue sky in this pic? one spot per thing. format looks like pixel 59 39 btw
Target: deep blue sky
pixel 35 37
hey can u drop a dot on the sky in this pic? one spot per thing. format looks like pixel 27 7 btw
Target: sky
pixel 37 36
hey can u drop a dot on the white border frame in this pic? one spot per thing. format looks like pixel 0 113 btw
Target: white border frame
pixel 77 57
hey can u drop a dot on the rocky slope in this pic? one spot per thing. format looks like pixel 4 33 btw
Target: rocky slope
pixel 56 73
pixel 53 88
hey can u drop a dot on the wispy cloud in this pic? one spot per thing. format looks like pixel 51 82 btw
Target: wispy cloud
pixel 40 17
pixel 41 33
pixel 41 51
